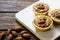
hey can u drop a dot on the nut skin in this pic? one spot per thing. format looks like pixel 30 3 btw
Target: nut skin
pixel 2 35
pixel 22 32
pixel 25 35
pixel 14 33
pixel 9 31
pixel 17 28
pixel 10 37
pixel 19 38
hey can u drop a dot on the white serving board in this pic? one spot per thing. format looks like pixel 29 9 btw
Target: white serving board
pixel 26 16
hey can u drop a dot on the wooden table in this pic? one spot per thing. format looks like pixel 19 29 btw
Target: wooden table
pixel 8 9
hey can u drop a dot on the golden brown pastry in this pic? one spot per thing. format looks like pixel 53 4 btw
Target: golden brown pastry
pixel 55 15
pixel 42 22
pixel 41 8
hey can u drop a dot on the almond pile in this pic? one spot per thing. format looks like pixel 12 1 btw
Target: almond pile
pixel 17 34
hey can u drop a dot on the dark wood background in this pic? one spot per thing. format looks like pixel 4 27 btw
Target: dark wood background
pixel 8 9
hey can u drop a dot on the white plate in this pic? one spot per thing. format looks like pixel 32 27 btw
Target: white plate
pixel 26 16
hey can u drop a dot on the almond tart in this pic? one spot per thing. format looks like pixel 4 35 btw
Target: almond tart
pixel 40 8
pixel 42 23
pixel 55 15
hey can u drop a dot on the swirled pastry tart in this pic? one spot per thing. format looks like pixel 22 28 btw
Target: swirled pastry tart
pixel 55 15
pixel 40 8
pixel 42 22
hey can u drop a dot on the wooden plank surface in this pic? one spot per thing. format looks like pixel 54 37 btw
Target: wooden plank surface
pixel 8 9
pixel 14 5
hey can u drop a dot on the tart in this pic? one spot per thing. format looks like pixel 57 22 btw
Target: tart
pixel 55 15
pixel 40 8
pixel 42 23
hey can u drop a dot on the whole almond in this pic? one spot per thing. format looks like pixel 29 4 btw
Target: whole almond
pixel 14 33
pixel 18 28
pixel 9 31
pixel 19 38
pixel 2 34
pixel 10 37
pixel 26 35
pixel 22 32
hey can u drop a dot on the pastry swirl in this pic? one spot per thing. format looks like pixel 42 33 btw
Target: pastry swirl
pixel 55 15
pixel 42 22
pixel 41 7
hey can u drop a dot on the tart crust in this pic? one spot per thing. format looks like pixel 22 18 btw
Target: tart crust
pixel 40 28
pixel 44 11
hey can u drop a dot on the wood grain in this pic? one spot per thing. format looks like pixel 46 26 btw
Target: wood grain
pixel 14 5
pixel 8 9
